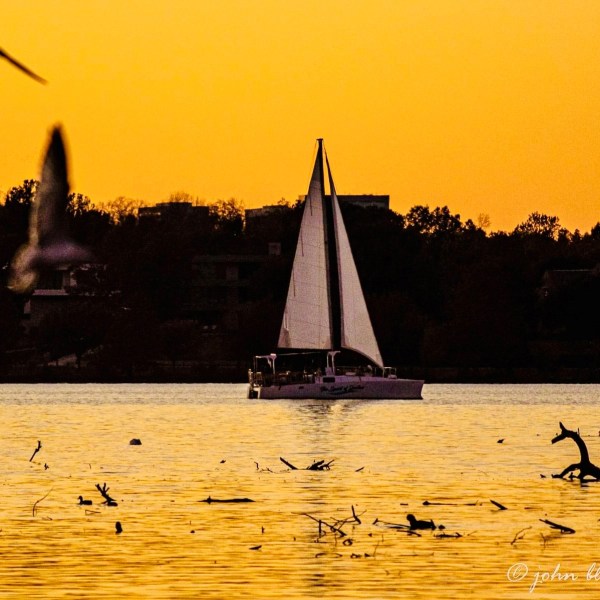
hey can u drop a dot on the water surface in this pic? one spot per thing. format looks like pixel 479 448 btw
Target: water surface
pixel 388 458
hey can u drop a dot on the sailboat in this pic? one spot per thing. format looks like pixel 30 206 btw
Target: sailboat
pixel 325 312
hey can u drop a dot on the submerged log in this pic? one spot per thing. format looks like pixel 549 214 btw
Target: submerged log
pixel 210 500
pixel 584 466
pixel 561 528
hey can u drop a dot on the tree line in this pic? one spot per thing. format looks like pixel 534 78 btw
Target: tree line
pixel 442 292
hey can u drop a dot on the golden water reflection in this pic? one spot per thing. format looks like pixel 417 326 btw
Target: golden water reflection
pixel 389 457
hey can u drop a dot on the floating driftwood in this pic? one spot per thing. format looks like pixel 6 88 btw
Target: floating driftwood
pixel 39 447
pixel 210 500
pixel 584 466
pixel 104 491
pixel 500 506
pixel 319 465
pixel 562 528
pixel 397 526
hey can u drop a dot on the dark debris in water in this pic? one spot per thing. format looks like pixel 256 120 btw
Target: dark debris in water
pixel 210 500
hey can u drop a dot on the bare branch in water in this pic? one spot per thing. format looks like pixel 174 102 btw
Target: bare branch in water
pixel 39 447
pixel 518 535
pixel 288 464
pixel 319 465
pixel 34 510
pixel 562 528
pixel 104 491
pixel 332 528
pixel 21 67
pixel 584 466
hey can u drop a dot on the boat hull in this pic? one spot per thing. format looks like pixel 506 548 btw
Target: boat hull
pixel 372 388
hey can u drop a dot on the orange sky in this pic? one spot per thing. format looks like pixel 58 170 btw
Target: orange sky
pixel 487 106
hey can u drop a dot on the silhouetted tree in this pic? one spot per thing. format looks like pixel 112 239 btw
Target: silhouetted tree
pixel 438 221
pixel 540 224
pixel 229 216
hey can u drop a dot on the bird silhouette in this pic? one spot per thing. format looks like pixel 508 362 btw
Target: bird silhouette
pixel 49 244
pixel 21 67
pixel 419 524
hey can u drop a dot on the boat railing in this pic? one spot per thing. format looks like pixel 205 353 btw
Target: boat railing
pixel 262 379
pixel 354 371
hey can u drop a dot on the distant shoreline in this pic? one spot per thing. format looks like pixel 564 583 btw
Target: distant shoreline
pixel 235 372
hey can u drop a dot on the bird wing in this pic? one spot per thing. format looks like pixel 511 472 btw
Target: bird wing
pixel 48 212
pixel 21 67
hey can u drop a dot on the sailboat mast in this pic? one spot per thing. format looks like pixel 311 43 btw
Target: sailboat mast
pixel 333 277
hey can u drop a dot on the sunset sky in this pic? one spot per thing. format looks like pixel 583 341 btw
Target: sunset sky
pixel 487 106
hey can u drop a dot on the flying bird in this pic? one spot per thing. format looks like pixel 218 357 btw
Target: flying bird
pixel 49 244
pixel 21 67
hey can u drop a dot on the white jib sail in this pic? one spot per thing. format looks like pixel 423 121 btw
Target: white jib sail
pixel 357 331
pixel 306 318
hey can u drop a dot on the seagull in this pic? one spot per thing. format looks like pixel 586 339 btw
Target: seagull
pixel 21 67
pixel 49 244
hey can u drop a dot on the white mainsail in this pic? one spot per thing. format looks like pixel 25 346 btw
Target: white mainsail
pixel 306 319
pixel 307 316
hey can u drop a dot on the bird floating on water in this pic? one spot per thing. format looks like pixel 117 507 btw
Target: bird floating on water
pixel 49 244
pixel 419 524
pixel 21 67
pixel 85 502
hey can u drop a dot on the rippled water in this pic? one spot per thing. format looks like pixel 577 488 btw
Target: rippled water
pixel 388 458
